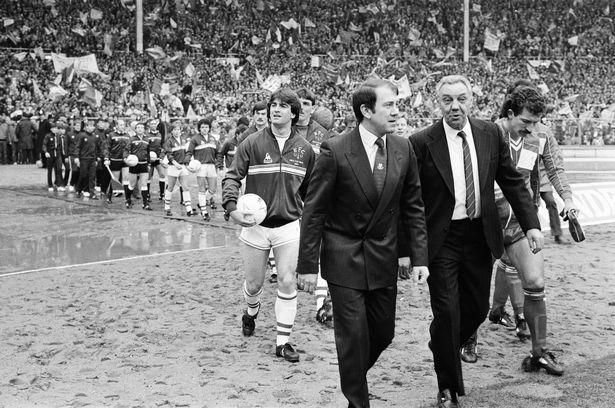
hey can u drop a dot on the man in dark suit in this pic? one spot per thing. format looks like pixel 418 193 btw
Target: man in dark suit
pixel 364 182
pixel 459 159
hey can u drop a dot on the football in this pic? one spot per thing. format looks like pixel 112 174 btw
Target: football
pixel 253 205
pixel 194 166
pixel 153 156
pixel 131 160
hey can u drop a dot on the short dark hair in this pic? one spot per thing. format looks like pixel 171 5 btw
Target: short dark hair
pixel 522 97
pixel 517 83
pixel 288 96
pixel 259 106
pixel 208 120
pixel 366 95
pixel 305 93
pixel 244 121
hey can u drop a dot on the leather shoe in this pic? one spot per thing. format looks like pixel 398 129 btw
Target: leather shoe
pixel 447 399
pixel 468 352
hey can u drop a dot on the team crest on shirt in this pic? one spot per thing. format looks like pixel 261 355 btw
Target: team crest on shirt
pixel 298 152
pixel 380 166
pixel 267 159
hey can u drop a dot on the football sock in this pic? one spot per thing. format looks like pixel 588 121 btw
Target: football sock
pixel 536 316
pixel 321 291
pixel 500 290
pixel 186 200
pixel 253 301
pixel 167 199
pixel 285 311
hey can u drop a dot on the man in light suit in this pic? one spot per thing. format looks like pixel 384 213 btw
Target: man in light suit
pixel 363 183
pixel 459 158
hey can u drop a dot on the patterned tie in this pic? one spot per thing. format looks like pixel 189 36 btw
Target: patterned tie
pixel 380 165
pixel 467 167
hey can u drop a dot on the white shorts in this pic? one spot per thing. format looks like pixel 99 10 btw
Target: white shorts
pixel 266 238
pixel 207 170
pixel 172 171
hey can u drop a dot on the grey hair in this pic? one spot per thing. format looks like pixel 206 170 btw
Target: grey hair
pixel 454 79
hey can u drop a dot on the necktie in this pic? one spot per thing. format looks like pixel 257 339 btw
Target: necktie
pixel 380 165
pixel 467 167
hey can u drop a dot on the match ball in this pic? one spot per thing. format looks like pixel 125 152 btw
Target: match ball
pixel 39 164
pixel 165 161
pixel 131 160
pixel 153 156
pixel 194 166
pixel 253 206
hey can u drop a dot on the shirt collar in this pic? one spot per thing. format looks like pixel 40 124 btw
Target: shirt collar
pixel 368 138
pixel 451 133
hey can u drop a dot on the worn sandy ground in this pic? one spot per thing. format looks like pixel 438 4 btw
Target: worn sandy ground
pixel 165 331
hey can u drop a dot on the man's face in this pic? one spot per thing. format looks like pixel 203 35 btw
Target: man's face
pixel 307 108
pixel 280 113
pixel 140 129
pixel 121 125
pixel 401 127
pixel 177 131
pixel 455 101
pixel 524 123
pixel 204 129
pixel 260 118
pixel 153 125
pixel 76 126
pixel 89 127
pixel 382 119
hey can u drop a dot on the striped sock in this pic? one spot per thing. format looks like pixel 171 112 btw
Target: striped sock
pixel 253 301
pixel 536 315
pixel 285 311
pixel 167 199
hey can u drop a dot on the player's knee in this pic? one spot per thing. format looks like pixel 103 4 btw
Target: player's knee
pixel 286 281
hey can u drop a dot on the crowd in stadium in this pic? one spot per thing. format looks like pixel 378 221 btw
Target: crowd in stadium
pixel 215 55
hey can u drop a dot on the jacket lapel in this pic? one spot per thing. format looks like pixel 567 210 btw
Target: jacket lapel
pixel 483 153
pixel 359 163
pixel 438 147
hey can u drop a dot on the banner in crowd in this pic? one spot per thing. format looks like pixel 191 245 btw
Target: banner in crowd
pixel 595 200
pixel 492 41
pixel 86 63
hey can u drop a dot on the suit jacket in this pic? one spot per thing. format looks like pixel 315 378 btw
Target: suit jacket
pixel 358 229
pixel 494 164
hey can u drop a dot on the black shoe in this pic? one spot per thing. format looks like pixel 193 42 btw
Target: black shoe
pixel 325 313
pixel 288 352
pixel 160 197
pixel 191 213
pixel 447 399
pixel 248 324
pixel 168 213
pixel 500 316
pixel 546 360
pixel 469 352
pixel 273 278
pixel 523 332
pixel 128 204
pixel 212 205
pixel 93 197
pixel 109 201
pixel 147 207
pixel 205 216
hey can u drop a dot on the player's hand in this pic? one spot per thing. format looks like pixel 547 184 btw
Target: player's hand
pixel 47 155
pixel 403 268
pixel 306 282
pixel 535 239
pixel 570 210
pixel 178 166
pixel 244 219
pixel 107 162
pixel 66 160
pixel 420 274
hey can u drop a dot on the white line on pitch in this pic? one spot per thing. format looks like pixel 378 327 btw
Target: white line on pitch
pixel 51 268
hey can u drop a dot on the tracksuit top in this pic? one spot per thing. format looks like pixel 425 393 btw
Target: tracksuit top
pixel 155 142
pixel 116 144
pixel 315 134
pixel 205 150
pixel 280 178
pixel 54 145
pixel 89 146
pixel 175 149
pixel 139 147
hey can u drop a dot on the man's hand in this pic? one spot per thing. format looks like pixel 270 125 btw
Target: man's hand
pixel 107 162
pixel 244 219
pixel 403 268
pixel 570 209
pixel 420 274
pixel 47 155
pixel 306 282
pixel 535 239
pixel 178 166
pixel 77 161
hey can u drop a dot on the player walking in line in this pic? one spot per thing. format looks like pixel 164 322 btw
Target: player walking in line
pixel 175 153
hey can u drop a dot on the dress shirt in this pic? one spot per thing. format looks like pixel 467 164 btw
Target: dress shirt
pixel 369 143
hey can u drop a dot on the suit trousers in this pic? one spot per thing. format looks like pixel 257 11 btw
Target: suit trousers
pixel 459 282
pixel 364 326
